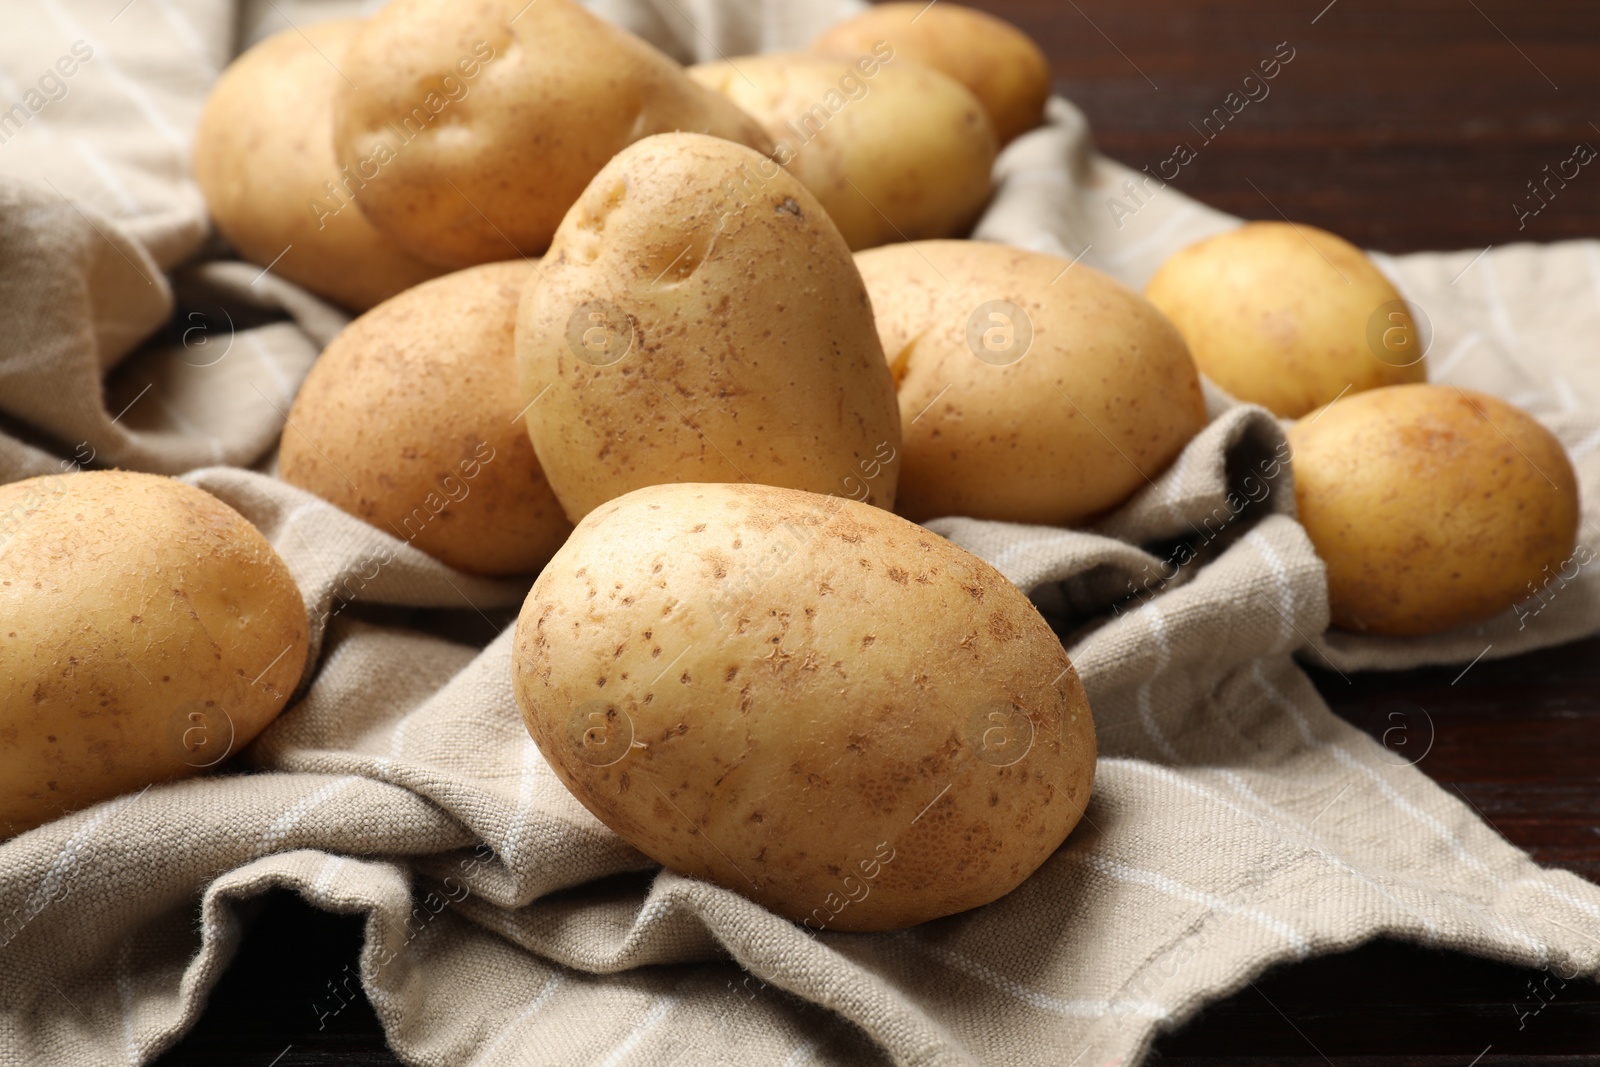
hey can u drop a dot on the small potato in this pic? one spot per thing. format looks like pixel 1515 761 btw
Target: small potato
pixel 699 319
pixel 998 62
pixel 894 150
pixel 1288 316
pixel 1432 506
pixel 806 700
pixel 263 157
pixel 410 420
pixel 147 631
pixel 476 126
pixel 1031 389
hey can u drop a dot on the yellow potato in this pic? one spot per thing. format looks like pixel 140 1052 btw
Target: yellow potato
pixel 806 700
pixel 998 62
pixel 410 421
pixel 263 157
pixel 147 630
pixel 1432 506
pixel 699 319
pixel 894 150
pixel 1031 390
pixel 475 127
pixel 1289 316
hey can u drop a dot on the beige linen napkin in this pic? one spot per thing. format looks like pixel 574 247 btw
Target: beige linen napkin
pixel 1236 822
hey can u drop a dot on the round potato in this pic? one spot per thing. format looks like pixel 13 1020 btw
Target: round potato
pixel 894 150
pixel 699 319
pixel 1289 316
pixel 147 630
pixel 270 179
pixel 411 421
pixel 1031 389
pixel 806 700
pixel 1432 506
pixel 477 125
pixel 998 62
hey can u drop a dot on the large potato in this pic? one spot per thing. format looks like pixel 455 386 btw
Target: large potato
pixel 1288 316
pixel 998 62
pixel 477 125
pixel 147 632
pixel 699 319
pixel 411 421
pixel 1432 506
pixel 263 157
pixel 806 700
pixel 1031 390
pixel 894 150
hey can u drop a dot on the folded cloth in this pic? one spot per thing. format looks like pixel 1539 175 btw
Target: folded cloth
pixel 1236 822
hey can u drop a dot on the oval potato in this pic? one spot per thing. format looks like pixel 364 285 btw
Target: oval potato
pixel 1432 506
pixel 270 180
pixel 477 126
pixel 1031 389
pixel 1288 316
pixel 699 319
pixel 903 153
pixel 147 630
pixel 411 421
pixel 1000 64
pixel 806 700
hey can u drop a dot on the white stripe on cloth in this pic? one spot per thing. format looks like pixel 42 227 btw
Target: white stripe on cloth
pixel 1278 825
pixel 1499 314
pixel 275 835
pixel 1122 872
pixel 1156 238
pixel 51 883
pixel 1389 791
pixel 657 1011
pixel 1066 1009
pixel 323 883
pixel 519 815
pixel 535 1006
pixel 802 1055
pixel 1158 632
pixel 125 85
pixel 1442 369
pixel 1280 575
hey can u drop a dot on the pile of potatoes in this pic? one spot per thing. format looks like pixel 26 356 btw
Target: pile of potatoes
pixel 699 348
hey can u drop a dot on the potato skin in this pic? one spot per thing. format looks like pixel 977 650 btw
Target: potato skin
pixel 745 347
pixel 1282 316
pixel 1432 506
pixel 1104 397
pixel 410 421
pixel 141 621
pixel 1000 64
pixel 806 700
pixel 906 156
pixel 513 108
pixel 263 167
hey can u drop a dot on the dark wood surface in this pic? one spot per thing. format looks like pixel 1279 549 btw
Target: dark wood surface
pixel 1402 126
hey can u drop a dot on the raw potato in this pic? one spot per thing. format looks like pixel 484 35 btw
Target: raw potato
pixel 147 631
pixel 998 62
pixel 1288 316
pixel 264 170
pixel 1049 411
pixel 699 319
pixel 477 125
pixel 894 150
pixel 806 700
pixel 410 420
pixel 1432 506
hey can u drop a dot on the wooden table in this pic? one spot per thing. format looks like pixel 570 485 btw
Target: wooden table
pixel 1402 126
